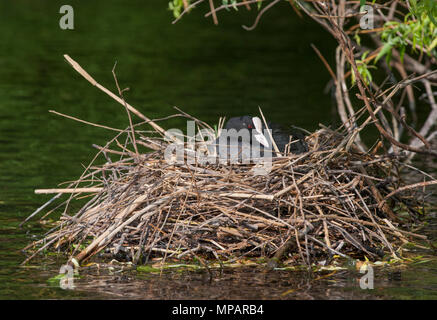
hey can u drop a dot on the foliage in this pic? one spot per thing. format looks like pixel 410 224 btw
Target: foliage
pixel 232 2
pixel 177 6
pixel 427 7
pixel 363 69
pixel 418 31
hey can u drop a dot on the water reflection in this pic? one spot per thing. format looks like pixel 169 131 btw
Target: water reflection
pixel 247 283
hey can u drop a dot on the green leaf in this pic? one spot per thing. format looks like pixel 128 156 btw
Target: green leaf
pixel 433 44
pixel 402 53
pixel 225 3
pixel 388 58
pixel 385 50
pixel 431 17
pixel 357 38
pixel 413 5
pixel 234 4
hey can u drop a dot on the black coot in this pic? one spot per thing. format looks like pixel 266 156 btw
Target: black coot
pixel 281 136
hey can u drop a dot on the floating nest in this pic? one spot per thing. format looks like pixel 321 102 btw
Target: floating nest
pixel 334 200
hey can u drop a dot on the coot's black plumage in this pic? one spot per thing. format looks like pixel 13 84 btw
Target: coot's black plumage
pixel 281 136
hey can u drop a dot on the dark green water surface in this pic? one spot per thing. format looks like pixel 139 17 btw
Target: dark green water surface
pixel 208 71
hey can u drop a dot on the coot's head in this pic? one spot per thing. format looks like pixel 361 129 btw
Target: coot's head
pixel 238 123
pixel 250 123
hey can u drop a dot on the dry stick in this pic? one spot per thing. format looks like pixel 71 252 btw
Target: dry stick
pixel 108 150
pixel 396 232
pixel 152 146
pixel 339 92
pixel 228 6
pixel 340 36
pixel 293 186
pixel 51 211
pixel 39 250
pixel 321 22
pixel 325 227
pixel 120 92
pixel 214 15
pixel 258 17
pixel 388 106
pixel 391 91
pixel 299 196
pixel 247 196
pixel 353 117
pixel 322 58
pixel 411 186
pixel 399 118
pixel 109 128
pixel 59 194
pixel 338 16
pixel 79 69
pixel 86 122
pixel 432 117
pixel 409 91
pixel 68 190
pixel 227 211
pixel 186 10
pixel 341 217
pixel 102 240
pixel 295 9
pixel 85 235
pixel 184 114
pixel 84 74
pixel 278 153
pixel 349 54
pixel 268 215
pixel 175 226
pixel 377 225
pixel 387 210
pixel 289 244
pixel 48 237
pixel 126 150
pixel 40 209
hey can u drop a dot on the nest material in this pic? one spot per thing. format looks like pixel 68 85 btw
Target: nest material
pixel 329 201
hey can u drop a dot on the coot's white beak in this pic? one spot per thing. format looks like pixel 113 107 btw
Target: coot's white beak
pixel 259 136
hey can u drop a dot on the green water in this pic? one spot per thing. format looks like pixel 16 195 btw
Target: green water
pixel 208 71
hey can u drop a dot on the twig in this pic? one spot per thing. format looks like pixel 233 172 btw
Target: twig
pixel 73 190
pixel 258 17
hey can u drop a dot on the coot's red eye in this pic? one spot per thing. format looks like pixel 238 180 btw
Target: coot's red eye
pixel 250 126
